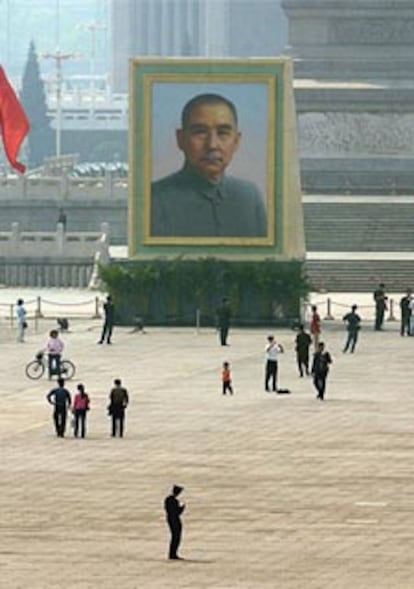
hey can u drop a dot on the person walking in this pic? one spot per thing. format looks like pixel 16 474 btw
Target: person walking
pixel 320 368
pixel 54 349
pixel 174 509
pixel 80 409
pixel 353 321
pixel 315 326
pixel 223 314
pixel 380 299
pixel 107 328
pixel 405 307
pixel 118 402
pixel 60 398
pixel 273 349
pixel 302 344
pixel 226 378
pixel 21 320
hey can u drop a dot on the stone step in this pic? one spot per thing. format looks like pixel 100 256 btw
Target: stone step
pixel 359 275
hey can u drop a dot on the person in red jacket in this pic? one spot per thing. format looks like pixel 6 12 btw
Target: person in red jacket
pixel 315 326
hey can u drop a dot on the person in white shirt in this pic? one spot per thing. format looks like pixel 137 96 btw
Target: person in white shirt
pixel 273 349
pixel 54 348
pixel 21 320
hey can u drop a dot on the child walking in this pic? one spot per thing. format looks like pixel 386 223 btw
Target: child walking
pixel 226 378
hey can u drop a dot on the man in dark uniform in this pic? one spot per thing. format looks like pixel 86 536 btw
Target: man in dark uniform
pixel 60 398
pixel 173 510
pixel 320 368
pixel 405 307
pixel 199 200
pixel 302 345
pixel 223 321
pixel 109 311
pixel 380 299
pixel 118 402
pixel 353 321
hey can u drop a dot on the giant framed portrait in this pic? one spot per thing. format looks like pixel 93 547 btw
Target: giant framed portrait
pixel 207 157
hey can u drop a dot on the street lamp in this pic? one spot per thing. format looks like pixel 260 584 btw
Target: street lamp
pixel 59 56
pixel 92 28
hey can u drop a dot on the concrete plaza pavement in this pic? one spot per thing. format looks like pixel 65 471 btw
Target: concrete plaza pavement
pixel 282 491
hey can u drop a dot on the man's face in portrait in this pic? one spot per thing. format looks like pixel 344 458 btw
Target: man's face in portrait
pixel 209 139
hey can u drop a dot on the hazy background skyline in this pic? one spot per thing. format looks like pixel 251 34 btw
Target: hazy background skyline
pixel 129 28
pixel 53 23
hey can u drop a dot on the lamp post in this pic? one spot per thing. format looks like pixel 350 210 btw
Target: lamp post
pixel 92 28
pixel 59 56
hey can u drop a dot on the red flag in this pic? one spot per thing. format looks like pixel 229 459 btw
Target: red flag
pixel 14 124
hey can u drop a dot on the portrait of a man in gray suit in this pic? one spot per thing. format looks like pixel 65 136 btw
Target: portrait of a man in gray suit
pixel 201 200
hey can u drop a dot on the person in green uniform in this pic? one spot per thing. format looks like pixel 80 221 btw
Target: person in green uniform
pixel 200 200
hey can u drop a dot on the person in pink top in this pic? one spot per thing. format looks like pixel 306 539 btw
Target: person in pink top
pixel 54 348
pixel 80 408
pixel 315 326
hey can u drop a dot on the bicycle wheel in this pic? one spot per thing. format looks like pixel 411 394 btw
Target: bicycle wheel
pixel 67 369
pixel 35 369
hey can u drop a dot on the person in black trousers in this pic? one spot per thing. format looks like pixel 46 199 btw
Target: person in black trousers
pixel 405 306
pixel 320 369
pixel 173 510
pixel 273 349
pixel 60 398
pixel 80 408
pixel 223 321
pixel 353 321
pixel 118 402
pixel 109 310
pixel 302 345
pixel 380 299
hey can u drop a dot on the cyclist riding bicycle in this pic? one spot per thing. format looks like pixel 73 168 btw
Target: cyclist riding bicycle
pixel 54 348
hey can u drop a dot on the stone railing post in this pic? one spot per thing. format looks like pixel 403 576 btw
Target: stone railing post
pixel 60 237
pixel 22 183
pixel 109 184
pixel 64 186
pixel 14 243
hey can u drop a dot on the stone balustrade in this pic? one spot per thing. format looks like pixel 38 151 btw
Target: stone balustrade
pixel 57 244
pixel 62 187
pixel 59 258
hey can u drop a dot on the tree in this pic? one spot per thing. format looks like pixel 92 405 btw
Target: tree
pixel 33 98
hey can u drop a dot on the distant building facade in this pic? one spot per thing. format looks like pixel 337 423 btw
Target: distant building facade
pixel 216 28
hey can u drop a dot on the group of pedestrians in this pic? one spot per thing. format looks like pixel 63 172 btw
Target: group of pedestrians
pixel 61 399
pixel 107 327
pixel 321 358
pixel 78 404
pixel 406 310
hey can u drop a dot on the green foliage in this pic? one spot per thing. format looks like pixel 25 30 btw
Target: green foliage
pixel 171 291
pixel 33 98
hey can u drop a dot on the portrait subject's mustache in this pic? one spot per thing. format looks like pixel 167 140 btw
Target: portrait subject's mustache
pixel 211 156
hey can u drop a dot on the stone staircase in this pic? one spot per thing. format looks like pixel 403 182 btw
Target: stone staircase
pixel 360 275
pixel 353 243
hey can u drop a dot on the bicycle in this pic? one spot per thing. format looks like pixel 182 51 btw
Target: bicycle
pixel 36 368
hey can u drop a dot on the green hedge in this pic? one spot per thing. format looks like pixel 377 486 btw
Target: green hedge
pixel 170 292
